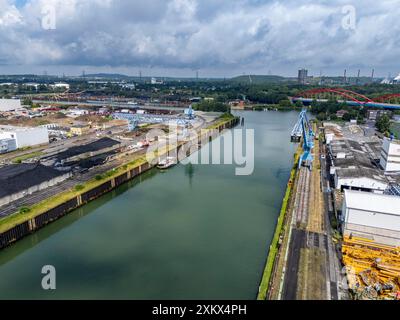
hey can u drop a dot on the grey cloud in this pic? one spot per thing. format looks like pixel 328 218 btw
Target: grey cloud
pixel 196 34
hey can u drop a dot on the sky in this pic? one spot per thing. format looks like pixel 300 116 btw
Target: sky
pixel 217 38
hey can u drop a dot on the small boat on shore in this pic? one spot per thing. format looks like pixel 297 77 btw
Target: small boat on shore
pixel 167 163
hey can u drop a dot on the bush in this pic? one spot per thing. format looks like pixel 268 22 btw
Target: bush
pixel 321 116
pixel 285 103
pixel 383 124
pixel 79 187
pixel 99 177
pixel 24 210
pixel 211 106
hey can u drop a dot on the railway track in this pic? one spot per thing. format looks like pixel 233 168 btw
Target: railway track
pixel 302 198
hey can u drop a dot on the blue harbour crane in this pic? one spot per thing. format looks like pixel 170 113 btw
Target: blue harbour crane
pixel 134 119
pixel 189 112
pixel 303 130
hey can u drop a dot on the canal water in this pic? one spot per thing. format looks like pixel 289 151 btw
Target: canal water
pixel 193 232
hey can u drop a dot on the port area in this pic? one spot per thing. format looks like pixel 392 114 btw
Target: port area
pixel 308 265
pixel 65 196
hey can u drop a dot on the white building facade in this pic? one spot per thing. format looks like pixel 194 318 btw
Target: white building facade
pixel 25 137
pixel 60 85
pixel 390 155
pixel 368 184
pixel 7 105
pixel 372 216
pixel 7 145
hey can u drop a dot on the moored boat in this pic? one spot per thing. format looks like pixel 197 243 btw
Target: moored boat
pixel 167 163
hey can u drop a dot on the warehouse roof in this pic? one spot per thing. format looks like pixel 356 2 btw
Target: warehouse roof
pixel 355 145
pixel 92 161
pixel 361 173
pixel 367 201
pixel 19 177
pixel 358 160
pixel 91 147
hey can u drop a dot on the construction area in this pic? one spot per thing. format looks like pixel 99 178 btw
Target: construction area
pixel 371 244
pixel 373 270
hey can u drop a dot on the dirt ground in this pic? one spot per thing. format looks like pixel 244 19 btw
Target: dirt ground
pixel 316 213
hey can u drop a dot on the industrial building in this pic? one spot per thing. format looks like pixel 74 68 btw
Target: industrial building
pixel 7 145
pixel 17 181
pixel 7 105
pixel 76 155
pixel 361 179
pixel 356 160
pixel 303 76
pixel 376 114
pixel 353 166
pixel 60 85
pixel 156 81
pixel 390 155
pixel 25 136
pixel 74 113
pixel 80 129
pixel 372 216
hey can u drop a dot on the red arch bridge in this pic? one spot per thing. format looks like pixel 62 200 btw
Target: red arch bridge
pixel 390 101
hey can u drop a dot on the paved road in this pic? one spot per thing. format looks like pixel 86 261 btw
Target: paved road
pixel 336 276
pixel 293 262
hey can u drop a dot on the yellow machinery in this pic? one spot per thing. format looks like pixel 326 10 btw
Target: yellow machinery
pixel 373 270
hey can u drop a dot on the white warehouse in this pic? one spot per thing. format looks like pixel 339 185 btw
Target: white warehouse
pixel 25 137
pixel 361 179
pixel 7 105
pixel 372 216
pixel 390 155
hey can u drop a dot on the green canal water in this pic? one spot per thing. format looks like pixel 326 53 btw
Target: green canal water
pixel 193 232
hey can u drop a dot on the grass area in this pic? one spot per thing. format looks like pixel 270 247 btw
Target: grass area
pixel 278 231
pixel 26 157
pixel 16 151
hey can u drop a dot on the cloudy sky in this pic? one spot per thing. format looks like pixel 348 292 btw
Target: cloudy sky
pixel 220 38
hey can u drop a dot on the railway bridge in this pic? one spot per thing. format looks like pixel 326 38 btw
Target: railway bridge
pixel 389 101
